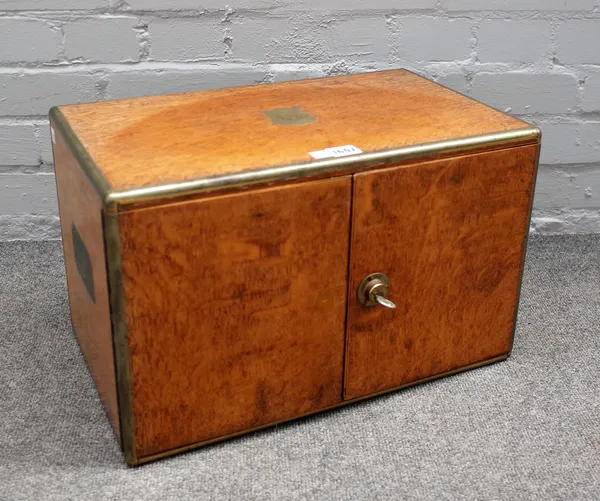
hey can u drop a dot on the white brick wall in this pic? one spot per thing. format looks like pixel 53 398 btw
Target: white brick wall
pixel 28 40
pixel 591 96
pixel 571 143
pixel 103 39
pixel 32 92
pixel 46 5
pixel 523 41
pixel 19 144
pixel 191 39
pixel 578 42
pixel 537 59
pixel 147 80
pixel 523 93
pixel 425 38
pixel 306 38
pixel 37 192
pixel 520 5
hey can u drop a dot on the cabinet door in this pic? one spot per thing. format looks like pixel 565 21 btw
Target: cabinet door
pixel 450 236
pixel 235 310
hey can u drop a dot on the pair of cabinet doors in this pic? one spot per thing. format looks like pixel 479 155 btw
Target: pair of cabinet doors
pixel 242 309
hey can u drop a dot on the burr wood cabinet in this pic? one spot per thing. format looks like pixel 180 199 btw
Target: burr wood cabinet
pixel 241 257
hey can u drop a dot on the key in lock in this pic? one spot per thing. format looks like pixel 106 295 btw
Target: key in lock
pixel 373 290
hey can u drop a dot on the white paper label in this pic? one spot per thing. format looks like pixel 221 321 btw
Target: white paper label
pixel 338 151
pixel 52 135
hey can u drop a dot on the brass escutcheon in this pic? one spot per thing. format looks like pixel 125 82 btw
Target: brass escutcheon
pixel 373 290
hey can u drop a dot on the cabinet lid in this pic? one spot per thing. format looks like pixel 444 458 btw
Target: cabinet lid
pixel 163 146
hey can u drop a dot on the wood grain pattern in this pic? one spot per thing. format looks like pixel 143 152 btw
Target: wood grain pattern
pixel 166 139
pixel 449 234
pixel 81 206
pixel 235 309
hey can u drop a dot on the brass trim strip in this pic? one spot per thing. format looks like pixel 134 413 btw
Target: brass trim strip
pixel 338 165
pixel 279 173
pixel 113 267
pixel 120 339
pixel 525 246
pixel 87 164
pixel 171 452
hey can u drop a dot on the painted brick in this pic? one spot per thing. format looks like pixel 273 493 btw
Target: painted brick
pixel 18 144
pixel 560 5
pixel 277 40
pixel 153 5
pixel 35 93
pixel 186 39
pixel 43 136
pixel 151 82
pixel 28 40
pixel 175 5
pixel 286 72
pixel 414 40
pixel 31 193
pixel 12 5
pixel 570 143
pixel 302 39
pixel 591 93
pixel 103 39
pixel 359 40
pixel 388 5
pixel 505 40
pixel 578 42
pixel 454 82
pixel 523 93
pixel 572 187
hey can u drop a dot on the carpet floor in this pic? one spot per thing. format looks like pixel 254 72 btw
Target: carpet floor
pixel 527 428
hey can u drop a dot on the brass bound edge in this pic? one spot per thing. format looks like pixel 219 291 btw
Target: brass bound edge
pixel 112 249
pixel 525 245
pixel 179 450
pixel 119 335
pixel 87 164
pixel 338 166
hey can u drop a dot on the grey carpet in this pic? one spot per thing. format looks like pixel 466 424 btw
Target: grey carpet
pixel 527 428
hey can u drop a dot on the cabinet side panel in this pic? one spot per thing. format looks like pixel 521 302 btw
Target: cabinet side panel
pixel 80 210
pixel 235 310
pixel 450 235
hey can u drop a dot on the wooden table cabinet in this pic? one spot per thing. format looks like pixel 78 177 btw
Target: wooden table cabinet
pixel 241 257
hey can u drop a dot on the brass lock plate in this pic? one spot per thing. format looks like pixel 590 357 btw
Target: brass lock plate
pixel 373 284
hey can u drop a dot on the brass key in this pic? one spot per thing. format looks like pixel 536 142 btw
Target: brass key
pixel 373 289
